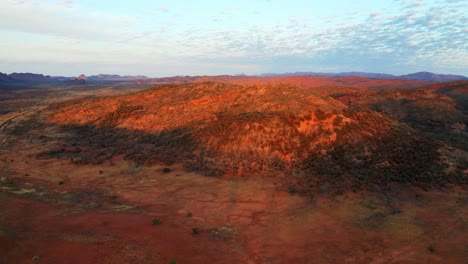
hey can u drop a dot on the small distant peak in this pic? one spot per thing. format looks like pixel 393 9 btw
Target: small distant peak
pixel 82 77
pixel 433 77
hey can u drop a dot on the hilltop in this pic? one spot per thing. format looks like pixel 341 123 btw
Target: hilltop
pixel 342 137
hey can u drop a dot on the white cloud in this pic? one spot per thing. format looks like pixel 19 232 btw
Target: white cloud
pixel 65 2
pixel 162 9
pixel 57 20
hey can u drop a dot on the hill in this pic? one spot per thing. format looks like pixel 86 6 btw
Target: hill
pixel 337 137
pixel 421 76
pixel 115 78
pixel 434 77
pixel 33 78
pixel 30 77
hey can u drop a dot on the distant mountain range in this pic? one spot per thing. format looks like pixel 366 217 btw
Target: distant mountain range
pixel 420 76
pixel 82 79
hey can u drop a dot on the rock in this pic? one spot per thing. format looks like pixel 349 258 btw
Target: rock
pixel 182 212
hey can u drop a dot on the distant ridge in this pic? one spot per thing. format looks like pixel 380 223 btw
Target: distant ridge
pixel 4 77
pixel 420 76
pixel 26 77
pixel 434 77
pixel 115 77
pixel 40 78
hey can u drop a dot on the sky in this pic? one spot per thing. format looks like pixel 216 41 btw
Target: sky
pixel 210 37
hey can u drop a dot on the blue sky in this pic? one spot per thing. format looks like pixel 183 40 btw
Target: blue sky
pixel 208 37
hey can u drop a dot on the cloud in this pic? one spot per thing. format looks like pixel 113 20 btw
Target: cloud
pixel 65 2
pixel 414 4
pixel 417 33
pixel 56 20
pixel 375 15
pixel 162 9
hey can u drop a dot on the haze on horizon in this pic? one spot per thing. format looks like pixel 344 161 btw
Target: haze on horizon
pixel 166 38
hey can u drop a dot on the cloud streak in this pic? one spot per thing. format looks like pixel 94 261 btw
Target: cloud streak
pixel 433 37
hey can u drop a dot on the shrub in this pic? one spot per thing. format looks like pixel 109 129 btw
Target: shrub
pixel 166 170
pixel 156 221
pixel 431 248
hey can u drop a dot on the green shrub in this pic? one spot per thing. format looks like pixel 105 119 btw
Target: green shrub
pixel 431 248
pixel 156 221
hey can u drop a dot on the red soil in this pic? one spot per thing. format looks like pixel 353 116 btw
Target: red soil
pixel 237 221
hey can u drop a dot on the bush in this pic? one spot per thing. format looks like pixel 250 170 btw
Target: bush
pixel 156 221
pixel 166 170
pixel 431 248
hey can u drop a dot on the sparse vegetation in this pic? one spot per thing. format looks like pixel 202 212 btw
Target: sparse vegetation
pixel 195 231
pixel 156 221
pixel 318 143
pixel 431 248
pixel 36 258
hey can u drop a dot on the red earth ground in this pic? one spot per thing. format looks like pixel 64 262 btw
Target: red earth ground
pixel 67 213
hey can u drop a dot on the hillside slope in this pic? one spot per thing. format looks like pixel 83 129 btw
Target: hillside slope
pixel 307 137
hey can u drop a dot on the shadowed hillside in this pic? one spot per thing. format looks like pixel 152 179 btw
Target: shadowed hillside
pixel 311 138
